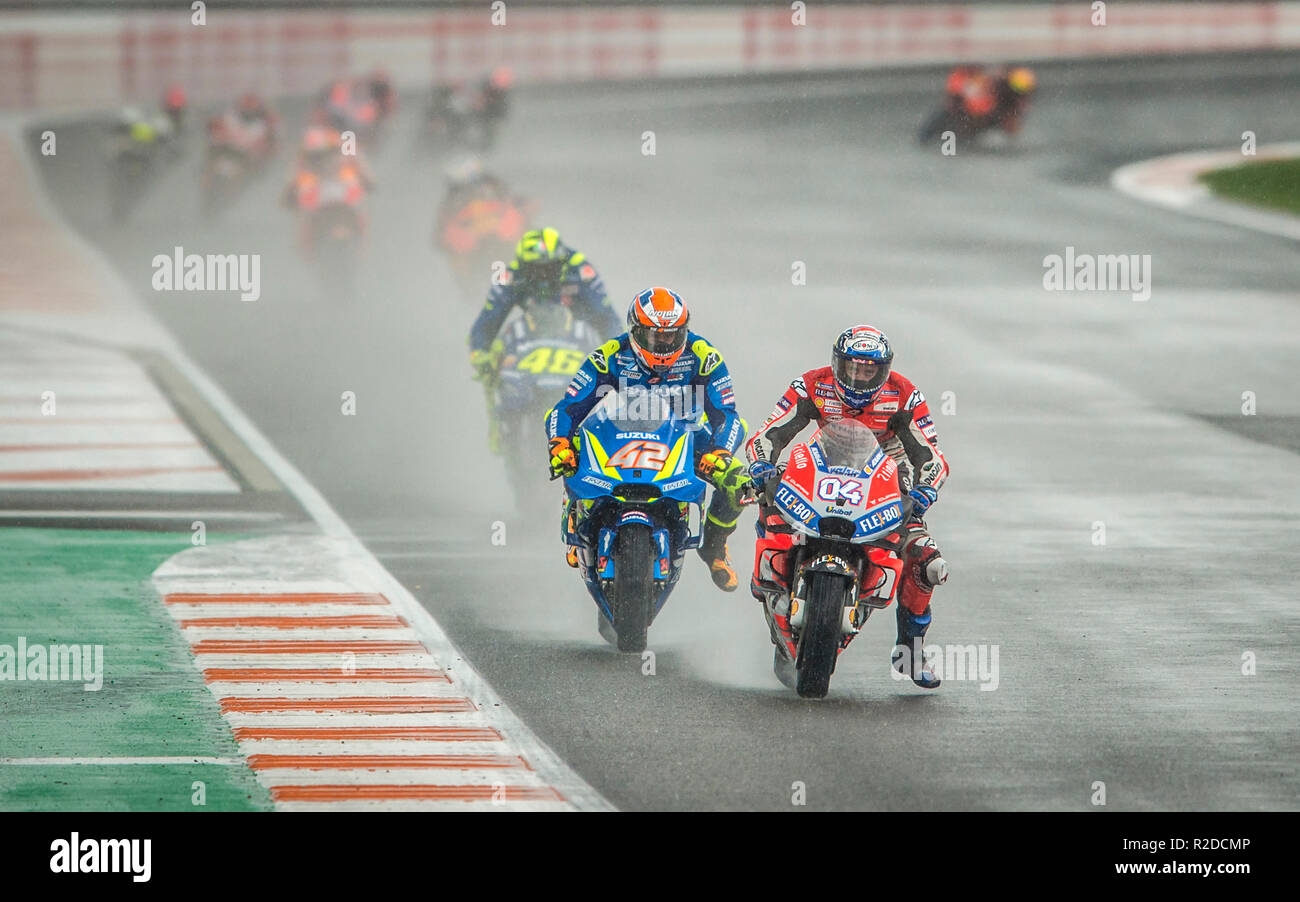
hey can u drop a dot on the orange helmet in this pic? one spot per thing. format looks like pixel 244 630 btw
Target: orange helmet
pixel 656 326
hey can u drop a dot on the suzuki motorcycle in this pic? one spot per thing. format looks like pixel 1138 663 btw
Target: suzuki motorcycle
pixel 635 506
pixel 840 495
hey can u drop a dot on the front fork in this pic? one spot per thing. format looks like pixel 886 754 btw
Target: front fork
pixel 874 585
pixel 601 564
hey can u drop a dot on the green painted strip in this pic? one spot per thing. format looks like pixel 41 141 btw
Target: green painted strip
pixel 1266 183
pixel 93 588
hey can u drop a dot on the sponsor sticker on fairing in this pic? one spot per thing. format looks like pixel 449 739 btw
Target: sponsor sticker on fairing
pixel 791 503
pixel 879 519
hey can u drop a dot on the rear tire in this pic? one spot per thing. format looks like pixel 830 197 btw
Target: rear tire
pixel 819 640
pixel 633 586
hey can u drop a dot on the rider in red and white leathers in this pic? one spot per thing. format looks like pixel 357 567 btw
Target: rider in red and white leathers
pixel 897 413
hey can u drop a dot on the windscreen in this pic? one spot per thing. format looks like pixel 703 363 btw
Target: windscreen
pixel 638 408
pixel 846 443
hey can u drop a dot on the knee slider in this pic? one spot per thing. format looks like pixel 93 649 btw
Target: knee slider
pixel 931 570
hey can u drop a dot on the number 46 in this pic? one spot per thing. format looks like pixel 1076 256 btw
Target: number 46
pixel 552 360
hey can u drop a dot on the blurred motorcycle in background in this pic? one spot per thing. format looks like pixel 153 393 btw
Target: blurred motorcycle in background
pixel 976 101
pixel 479 223
pixel 241 141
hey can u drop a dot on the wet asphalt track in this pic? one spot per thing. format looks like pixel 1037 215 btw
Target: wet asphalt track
pixel 1118 663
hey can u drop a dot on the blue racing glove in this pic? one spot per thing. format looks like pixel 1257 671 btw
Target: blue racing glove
pixel 922 497
pixel 762 473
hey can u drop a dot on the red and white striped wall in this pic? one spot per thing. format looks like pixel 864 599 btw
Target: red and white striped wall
pixel 60 60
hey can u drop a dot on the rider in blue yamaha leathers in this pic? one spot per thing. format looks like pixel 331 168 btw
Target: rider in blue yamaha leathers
pixel 657 349
pixel 544 270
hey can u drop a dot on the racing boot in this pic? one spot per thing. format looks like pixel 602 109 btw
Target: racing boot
pixel 908 657
pixel 568 526
pixel 713 551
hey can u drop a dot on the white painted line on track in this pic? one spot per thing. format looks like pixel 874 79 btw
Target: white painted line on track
pixel 163 759
pixel 368 747
pixel 372 688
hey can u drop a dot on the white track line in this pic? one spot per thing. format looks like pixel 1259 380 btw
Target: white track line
pixel 177 759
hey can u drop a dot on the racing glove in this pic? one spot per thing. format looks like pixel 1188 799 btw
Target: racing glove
pixel 564 460
pixel 486 362
pixel 482 364
pixel 725 472
pixel 763 473
pixel 922 497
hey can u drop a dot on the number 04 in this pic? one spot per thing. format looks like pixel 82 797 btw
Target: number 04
pixel 832 489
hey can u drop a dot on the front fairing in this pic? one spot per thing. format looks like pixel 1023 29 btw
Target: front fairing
pixel 626 456
pixel 815 489
pixel 538 366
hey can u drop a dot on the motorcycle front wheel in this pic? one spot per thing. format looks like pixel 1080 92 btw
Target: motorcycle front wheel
pixel 633 586
pixel 819 639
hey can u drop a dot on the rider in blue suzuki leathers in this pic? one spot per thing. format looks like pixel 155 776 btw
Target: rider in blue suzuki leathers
pixel 657 349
